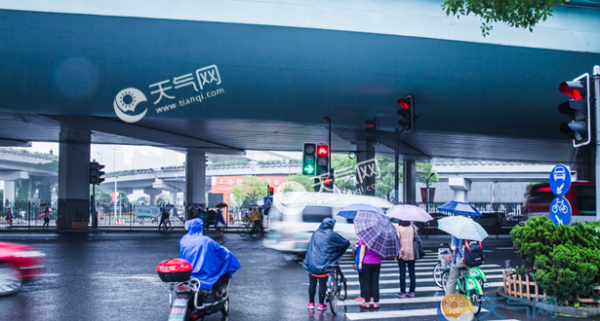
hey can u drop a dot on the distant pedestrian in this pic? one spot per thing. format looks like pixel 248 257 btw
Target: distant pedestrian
pixel 219 221
pixel 47 216
pixel 370 264
pixel 164 219
pixel 406 256
pixel 9 216
pixel 256 219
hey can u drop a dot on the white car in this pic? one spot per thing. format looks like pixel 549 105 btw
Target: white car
pixel 291 233
pixel 560 173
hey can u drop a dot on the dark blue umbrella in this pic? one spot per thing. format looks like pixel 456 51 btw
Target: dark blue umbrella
pixel 459 208
pixel 351 210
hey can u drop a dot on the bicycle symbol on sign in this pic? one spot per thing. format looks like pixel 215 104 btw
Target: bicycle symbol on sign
pixel 560 206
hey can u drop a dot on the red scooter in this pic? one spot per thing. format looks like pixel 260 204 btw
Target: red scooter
pixel 188 302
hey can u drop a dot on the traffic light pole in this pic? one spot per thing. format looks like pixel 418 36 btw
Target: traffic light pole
pixel 597 110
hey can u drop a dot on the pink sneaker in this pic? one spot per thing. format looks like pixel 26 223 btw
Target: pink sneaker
pixel 321 307
pixel 360 299
pixel 311 306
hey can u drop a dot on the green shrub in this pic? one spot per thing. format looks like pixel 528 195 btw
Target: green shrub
pixel 566 258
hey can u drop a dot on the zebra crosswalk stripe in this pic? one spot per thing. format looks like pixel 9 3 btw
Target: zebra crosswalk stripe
pixel 394 314
pixel 423 280
pixel 418 268
pixel 422 289
pixel 352 273
pixel 425 299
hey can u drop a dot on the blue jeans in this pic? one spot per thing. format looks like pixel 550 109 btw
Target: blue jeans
pixel 411 271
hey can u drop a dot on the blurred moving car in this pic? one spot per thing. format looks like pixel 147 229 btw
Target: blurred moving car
pixel 581 196
pixel 18 263
pixel 290 233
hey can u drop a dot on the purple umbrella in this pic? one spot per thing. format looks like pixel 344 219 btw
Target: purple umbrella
pixel 378 233
pixel 407 212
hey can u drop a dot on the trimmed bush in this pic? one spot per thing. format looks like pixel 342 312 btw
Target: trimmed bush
pixel 566 258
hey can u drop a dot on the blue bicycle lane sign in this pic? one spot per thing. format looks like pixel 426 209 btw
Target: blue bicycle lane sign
pixel 560 180
pixel 560 211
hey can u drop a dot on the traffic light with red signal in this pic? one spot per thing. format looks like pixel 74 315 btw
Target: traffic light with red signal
pixel 372 130
pixel 578 108
pixel 271 191
pixel 322 159
pixel 407 111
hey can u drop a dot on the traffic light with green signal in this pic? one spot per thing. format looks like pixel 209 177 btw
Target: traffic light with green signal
pixel 309 159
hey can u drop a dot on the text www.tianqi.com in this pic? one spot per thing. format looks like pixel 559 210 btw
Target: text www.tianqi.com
pixel 190 100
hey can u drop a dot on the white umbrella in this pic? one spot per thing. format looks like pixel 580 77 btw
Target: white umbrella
pixel 462 228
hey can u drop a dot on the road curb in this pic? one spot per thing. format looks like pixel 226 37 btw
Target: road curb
pixel 565 311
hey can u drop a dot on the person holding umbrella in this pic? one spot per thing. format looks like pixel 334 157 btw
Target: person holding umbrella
pixel 407 234
pixel 461 228
pixel 378 240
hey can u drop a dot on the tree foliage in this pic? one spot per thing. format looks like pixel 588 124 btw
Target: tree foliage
pixel 303 180
pixel 516 13
pixel 566 258
pixel 424 170
pixel 250 191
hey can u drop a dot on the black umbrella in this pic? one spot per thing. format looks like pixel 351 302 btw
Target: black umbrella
pixel 221 205
pixel 45 204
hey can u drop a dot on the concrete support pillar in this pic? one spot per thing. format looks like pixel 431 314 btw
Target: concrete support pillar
pixel 173 197
pixel 409 181
pixel 45 192
pixel 366 169
pixel 195 177
pixel 9 192
pixel 461 188
pixel 73 178
pixel 153 193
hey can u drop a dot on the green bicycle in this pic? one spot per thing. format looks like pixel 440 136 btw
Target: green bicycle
pixel 469 284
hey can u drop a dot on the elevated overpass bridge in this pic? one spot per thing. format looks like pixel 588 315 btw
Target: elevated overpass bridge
pixel 18 165
pixel 230 76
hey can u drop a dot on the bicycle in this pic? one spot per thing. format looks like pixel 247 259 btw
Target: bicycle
pixel 469 284
pixel 445 257
pixel 337 287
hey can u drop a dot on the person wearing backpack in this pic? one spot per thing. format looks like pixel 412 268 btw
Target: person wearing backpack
pixel 457 265
pixel 407 234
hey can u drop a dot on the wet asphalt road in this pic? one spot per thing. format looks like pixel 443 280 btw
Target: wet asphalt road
pixel 111 276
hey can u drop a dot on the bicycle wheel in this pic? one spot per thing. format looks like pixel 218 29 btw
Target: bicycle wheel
pixel 333 295
pixel 437 275
pixel 343 288
pixel 476 301
pixel 445 277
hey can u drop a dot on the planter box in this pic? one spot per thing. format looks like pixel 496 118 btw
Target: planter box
pixel 515 286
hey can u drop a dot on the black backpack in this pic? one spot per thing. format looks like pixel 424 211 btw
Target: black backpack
pixel 472 253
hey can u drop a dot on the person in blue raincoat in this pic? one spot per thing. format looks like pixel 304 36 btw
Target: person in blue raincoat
pixel 325 248
pixel 210 261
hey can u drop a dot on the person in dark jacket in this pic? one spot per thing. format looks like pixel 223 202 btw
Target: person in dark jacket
pixel 325 248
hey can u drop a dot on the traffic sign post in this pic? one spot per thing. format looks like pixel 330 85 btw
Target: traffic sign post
pixel 560 180
pixel 560 208
pixel 560 211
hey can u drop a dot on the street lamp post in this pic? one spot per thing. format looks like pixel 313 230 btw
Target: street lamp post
pixel 115 202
